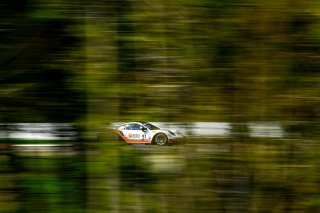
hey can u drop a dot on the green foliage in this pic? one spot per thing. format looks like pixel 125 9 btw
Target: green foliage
pixel 95 62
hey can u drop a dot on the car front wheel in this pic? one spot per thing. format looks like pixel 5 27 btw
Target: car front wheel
pixel 160 139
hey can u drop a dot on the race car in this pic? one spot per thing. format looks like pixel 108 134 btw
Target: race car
pixel 147 133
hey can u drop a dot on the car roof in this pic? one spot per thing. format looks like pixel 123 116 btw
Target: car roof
pixel 132 122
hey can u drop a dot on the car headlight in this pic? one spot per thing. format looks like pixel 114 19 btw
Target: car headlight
pixel 171 133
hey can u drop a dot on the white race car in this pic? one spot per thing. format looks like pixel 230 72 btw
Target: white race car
pixel 147 133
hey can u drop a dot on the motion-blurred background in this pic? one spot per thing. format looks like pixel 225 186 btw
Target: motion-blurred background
pixel 248 69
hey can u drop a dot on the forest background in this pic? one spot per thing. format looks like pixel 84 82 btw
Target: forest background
pixel 93 62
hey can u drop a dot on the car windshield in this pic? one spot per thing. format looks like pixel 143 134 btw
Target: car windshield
pixel 150 126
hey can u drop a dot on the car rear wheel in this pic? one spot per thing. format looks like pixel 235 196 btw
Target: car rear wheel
pixel 160 139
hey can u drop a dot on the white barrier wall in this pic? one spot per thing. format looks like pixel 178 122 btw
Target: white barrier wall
pixel 65 131
pixel 38 131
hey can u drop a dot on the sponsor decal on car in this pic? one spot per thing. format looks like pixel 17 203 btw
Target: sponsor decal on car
pixel 134 136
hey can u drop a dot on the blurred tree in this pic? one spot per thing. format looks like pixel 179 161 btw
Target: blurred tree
pixel 38 41
pixel 34 76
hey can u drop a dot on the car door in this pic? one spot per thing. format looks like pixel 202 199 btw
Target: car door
pixel 134 132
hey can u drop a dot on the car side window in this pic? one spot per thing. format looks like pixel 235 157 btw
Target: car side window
pixel 134 127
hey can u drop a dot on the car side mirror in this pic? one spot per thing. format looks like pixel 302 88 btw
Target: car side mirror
pixel 144 129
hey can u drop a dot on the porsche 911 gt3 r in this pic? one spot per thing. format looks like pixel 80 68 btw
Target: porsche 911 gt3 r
pixel 143 132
